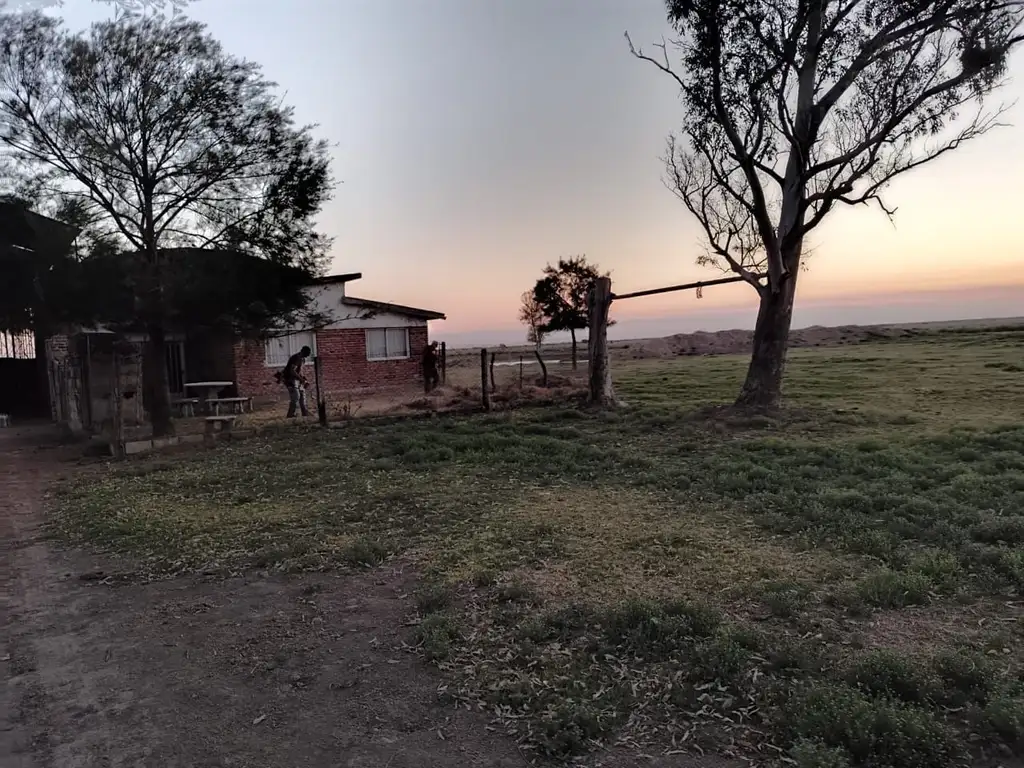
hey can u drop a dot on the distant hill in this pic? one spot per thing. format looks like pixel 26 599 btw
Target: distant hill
pixel 739 341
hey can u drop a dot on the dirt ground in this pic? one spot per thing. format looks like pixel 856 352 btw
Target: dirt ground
pixel 247 672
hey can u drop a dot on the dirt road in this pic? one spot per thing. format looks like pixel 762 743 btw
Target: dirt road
pixel 247 672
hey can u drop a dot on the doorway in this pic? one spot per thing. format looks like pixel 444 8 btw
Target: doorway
pixel 176 368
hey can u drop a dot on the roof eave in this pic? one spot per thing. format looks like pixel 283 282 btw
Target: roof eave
pixel 398 309
pixel 347 277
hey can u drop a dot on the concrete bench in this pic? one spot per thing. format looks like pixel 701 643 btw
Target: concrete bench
pixel 237 404
pixel 225 422
pixel 186 406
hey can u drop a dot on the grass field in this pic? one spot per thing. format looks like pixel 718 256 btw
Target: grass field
pixel 837 585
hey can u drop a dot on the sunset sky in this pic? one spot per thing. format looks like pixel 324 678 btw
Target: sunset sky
pixel 480 139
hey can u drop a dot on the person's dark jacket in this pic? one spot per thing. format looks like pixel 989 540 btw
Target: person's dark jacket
pixel 292 373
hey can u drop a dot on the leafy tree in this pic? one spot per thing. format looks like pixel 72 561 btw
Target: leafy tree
pixel 562 296
pixel 168 143
pixel 795 107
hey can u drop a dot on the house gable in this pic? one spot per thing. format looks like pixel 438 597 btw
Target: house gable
pixel 341 340
pixel 330 303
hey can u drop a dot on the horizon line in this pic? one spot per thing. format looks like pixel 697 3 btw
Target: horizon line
pixel 1005 319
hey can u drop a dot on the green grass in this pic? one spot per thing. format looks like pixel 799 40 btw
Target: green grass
pixel 671 573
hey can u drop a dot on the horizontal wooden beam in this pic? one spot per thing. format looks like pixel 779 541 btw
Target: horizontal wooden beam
pixel 683 287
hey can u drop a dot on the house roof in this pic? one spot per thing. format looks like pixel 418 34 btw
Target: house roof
pixel 335 279
pixel 33 231
pixel 398 309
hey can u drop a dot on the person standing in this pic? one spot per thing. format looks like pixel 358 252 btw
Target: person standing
pixel 430 376
pixel 296 382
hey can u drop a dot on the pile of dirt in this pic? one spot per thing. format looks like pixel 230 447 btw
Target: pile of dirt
pixel 739 341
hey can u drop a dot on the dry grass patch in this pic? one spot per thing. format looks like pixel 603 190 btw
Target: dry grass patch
pixel 630 542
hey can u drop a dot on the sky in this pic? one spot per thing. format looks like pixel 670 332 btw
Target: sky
pixel 478 140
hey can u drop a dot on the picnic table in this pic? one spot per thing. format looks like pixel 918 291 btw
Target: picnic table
pixel 208 390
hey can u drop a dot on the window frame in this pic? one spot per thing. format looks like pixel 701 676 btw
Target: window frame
pixel 292 346
pixel 407 355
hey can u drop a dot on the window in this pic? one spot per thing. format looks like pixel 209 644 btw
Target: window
pixel 387 344
pixel 280 348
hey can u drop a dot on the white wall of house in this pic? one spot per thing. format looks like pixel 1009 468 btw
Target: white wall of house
pixel 327 299
pixel 358 318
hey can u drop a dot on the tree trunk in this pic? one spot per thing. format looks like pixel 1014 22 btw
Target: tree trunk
pixel 763 385
pixel 572 333
pixel 543 367
pixel 154 375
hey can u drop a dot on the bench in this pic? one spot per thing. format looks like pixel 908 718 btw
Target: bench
pixel 186 406
pixel 225 422
pixel 238 404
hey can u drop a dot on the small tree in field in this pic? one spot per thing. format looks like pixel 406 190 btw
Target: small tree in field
pixel 531 314
pixel 794 107
pixel 169 143
pixel 562 296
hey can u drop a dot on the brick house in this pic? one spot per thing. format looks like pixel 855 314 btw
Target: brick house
pixel 363 345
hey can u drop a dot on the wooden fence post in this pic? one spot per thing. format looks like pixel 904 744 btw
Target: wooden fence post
pixel 600 373
pixel 444 363
pixel 494 387
pixel 483 380
pixel 321 403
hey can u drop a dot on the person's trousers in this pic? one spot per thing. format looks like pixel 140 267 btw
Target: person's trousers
pixel 296 399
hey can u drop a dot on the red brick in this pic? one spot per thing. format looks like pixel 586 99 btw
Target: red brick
pixel 344 367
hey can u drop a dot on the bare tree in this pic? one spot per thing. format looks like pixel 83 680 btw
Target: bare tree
pixel 794 107
pixel 121 7
pixel 531 314
pixel 170 142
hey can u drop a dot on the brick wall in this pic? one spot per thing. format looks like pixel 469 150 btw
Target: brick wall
pixel 344 365
pixel 251 376
pixel 57 348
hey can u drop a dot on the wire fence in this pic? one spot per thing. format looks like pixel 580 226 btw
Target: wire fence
pixel 514 367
